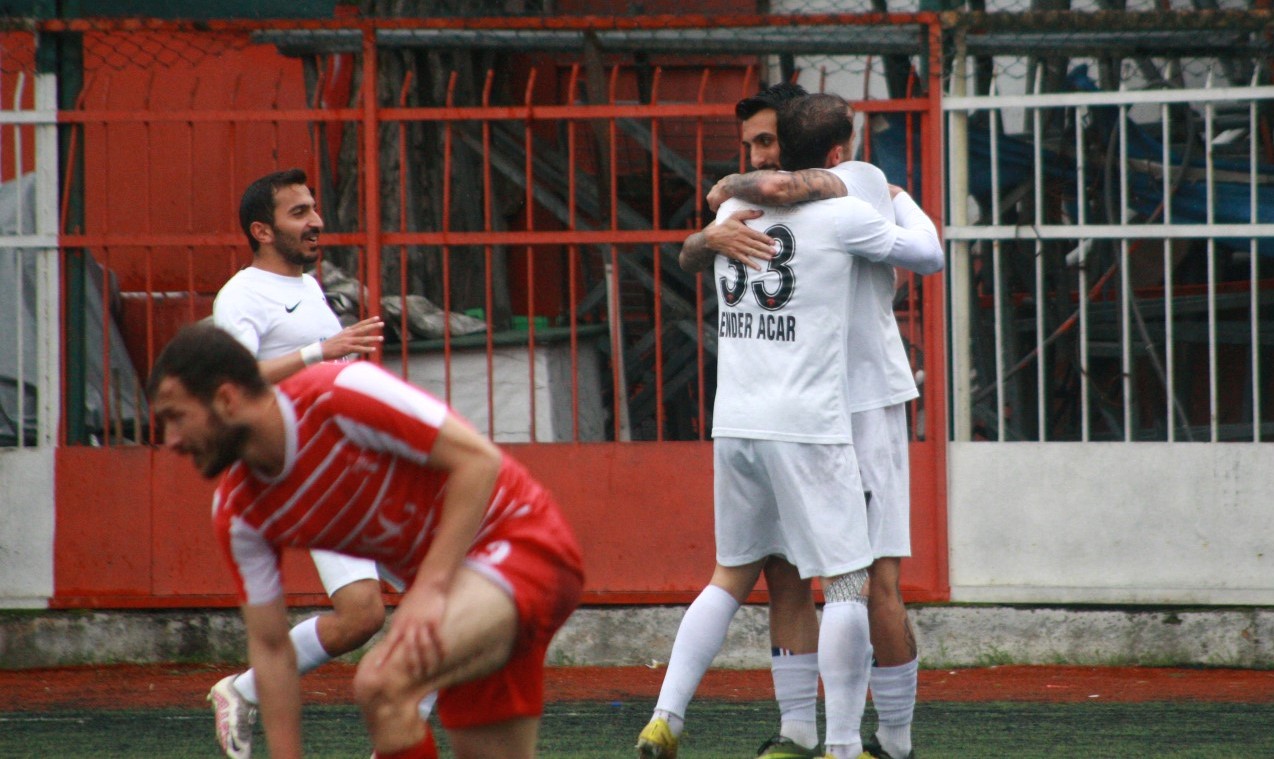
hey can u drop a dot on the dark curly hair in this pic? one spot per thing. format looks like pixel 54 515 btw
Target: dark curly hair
pixel 770 97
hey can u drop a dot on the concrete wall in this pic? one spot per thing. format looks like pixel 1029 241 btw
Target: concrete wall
pixel 949 635
pixel 1121 523
pixel 26 527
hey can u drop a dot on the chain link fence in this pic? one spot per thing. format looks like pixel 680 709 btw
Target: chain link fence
pixel 1133 48
pixel 157 49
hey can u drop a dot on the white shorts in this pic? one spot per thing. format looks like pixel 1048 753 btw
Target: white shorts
pixel 337 570
pixel 801 501
pixel 880 441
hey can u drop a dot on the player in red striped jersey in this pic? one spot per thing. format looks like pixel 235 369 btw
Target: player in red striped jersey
pixel 352 459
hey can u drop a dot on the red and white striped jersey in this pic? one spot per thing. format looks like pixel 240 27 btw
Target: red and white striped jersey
pixel 355 479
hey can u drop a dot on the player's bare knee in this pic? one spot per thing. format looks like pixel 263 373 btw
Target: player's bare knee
pixel 377 686
pixel 782 577
pixel 359 613
pixel 791 598
pixel 365 623
pixel 369 686
pixel 737 581
pixel 782 572
pixel 786 603
pixel 850 586
pixel 884 586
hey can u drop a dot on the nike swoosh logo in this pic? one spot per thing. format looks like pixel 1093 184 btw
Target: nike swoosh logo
pixel 290 309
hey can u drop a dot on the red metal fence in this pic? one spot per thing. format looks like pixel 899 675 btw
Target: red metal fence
pixel 532 200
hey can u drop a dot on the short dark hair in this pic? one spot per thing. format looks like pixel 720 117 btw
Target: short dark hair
pixel 773 96
pixel 203 357
pixel 257 203
pixel 811 126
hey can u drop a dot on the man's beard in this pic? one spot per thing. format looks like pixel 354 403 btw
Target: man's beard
pixel 290 248
pixel 224 448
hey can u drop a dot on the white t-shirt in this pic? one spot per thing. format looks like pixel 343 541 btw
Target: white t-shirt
pixel 272 314
pixel 782 333
pixel 879 371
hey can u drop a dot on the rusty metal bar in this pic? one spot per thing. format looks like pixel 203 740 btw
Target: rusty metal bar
pixel 105 296
pixel 371 172
pixel 528 149
pixel 915 347
pixel 547 237
pixel 698 224
pixel 935 307
pixel 657 257
pixel 404 335
pixel 619 23
pixel 448 143
pixel 489 256
pixel 616 311
pixel 572 265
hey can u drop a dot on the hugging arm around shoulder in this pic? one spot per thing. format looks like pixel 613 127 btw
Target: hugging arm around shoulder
pixel 917 247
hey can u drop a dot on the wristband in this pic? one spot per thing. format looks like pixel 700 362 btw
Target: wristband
pixel 312 353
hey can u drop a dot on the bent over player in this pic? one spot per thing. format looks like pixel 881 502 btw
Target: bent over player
pixel 349 458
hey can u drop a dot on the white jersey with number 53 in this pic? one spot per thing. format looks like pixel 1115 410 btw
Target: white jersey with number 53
pixel 781 332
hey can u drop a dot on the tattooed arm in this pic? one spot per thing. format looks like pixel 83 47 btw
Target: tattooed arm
pixel 777 188
pixel 695 254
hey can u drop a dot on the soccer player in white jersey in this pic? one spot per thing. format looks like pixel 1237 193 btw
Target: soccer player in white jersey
pixel 783 409
pixel 348 458
pixel 882 382
pixel 280 314
pixel 793 622
pixel 880 437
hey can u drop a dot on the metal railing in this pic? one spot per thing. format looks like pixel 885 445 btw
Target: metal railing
pixel 1111 285
pixel 534 209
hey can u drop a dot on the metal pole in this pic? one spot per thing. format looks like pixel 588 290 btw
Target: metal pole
pixel 960 275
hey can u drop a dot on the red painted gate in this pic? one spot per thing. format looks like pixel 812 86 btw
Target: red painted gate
pixel 535 206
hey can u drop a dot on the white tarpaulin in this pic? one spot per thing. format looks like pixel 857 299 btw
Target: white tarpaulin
pixel 19 381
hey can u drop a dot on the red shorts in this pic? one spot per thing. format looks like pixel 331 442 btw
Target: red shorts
pixel 535 557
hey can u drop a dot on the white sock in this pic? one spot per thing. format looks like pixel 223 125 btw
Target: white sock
pixel 426 706
pixel 844 661
pixel 699 638
pixel 796 690
pixel 310 655
pixel 893 692
pixel 675 723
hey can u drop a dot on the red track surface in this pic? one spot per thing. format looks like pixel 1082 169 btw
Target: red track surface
pixel 181 685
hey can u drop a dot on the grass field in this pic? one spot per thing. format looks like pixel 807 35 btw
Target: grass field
pixel 716 730
pixel 157 712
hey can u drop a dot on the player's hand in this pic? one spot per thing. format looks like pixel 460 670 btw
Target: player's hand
pixel 734 239
pixel 361 338
pixel 413 640
pixel 720 193
pixel 894 190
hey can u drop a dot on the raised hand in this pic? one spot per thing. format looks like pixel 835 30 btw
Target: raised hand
pixel 361 338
